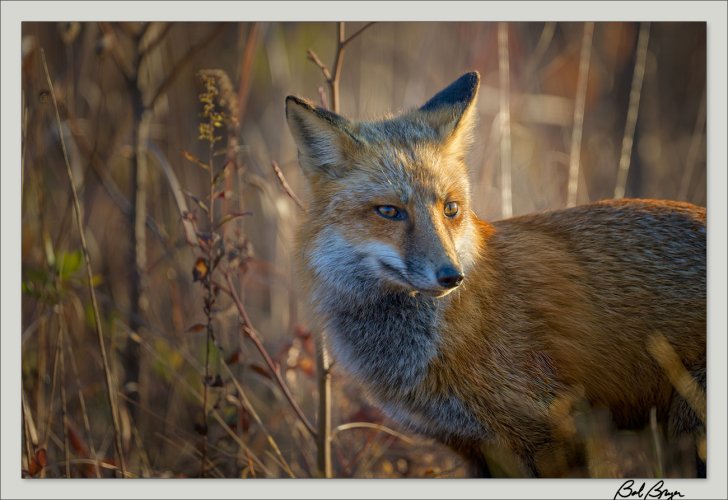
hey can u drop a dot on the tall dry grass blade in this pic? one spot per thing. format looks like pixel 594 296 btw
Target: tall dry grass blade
pixel 632 112
pixel 323 368
pixel 110 394
pixel 243 400
pixel 82 404
pixel 580 101
pixel 655 432
pixel 62 383
pixel 505 121
pixel 695 142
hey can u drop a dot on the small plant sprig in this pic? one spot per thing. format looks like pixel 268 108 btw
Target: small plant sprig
pixel 210 242
pixel 218 257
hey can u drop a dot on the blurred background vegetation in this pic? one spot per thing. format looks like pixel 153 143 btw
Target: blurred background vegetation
pixel 184 295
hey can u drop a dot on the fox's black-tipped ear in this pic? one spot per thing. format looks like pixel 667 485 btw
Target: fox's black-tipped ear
pixel 450 111
pixel 324 139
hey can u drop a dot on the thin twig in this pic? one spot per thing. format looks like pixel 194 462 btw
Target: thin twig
pixel 89 275
pixel 505 121
pixel 357 33
pixel 82 403
pixel 251 43
pixel 243 401
pixel 180 65
pixel 580 99
pixel 64 401
pixel 251 333
pixel 655 432
pixel 323 368
pixel 161 35
pixel 124 66
pixel 371 425
pixel 632 111
pixel 285 186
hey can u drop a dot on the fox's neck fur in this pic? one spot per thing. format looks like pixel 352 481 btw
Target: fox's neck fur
pixel 389 339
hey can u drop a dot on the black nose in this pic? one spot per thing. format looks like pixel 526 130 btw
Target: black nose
pixel 449 277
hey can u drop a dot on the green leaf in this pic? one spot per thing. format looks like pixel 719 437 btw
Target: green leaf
pixel 68 263
pixel 227 218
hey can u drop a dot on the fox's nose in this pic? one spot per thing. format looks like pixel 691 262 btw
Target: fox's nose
pixel 449 277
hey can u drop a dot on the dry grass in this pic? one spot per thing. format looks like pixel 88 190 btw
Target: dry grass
pixel 227 382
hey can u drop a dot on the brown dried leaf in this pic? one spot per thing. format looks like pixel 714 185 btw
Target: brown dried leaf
pixel 197 328
pixel 199 202
pixel 260 370
pixel 194 159
pixel 307 366
pixel 233 358
pixel 201 269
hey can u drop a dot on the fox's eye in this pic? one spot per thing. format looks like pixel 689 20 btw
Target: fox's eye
pixel 390 212
pixel 451 209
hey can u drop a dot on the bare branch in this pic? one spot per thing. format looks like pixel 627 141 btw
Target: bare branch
pixel 357 33
pixel 180 65
pixel 312 56
pixel 247 328
pixel 154 43
pixel 286 187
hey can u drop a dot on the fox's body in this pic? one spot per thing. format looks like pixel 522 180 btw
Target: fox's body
pixel 552 307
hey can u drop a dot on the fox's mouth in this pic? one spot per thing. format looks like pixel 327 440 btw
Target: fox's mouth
pixel 403 281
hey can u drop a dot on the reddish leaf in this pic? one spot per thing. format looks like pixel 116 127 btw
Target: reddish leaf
pixel 260 370
pixel 301 332
pixel 307 366
pixel 41 457
pixel 233 358
pixel 38 462
pixel 77 442
pixel 243 419
pixel 197 328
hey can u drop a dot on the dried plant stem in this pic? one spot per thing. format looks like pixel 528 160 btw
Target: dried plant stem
pixel 243 399
pixel 632 111
pixel 333 77
pixel 209 299
pixel 250 332
pixel 370 425
pixel 579 103
pixel 82 403
pixel 505 121
pixel 323 436
pixel 655 432
pixel 323 368
pixel 110 394
pixel 28 430
pixel 286 187
pixel 64 402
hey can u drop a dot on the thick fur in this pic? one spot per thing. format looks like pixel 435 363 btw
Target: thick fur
pixel 556 308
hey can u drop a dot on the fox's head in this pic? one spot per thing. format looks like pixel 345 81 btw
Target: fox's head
pixel 391 199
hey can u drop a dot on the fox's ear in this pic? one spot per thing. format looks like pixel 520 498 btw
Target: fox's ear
pixel 324 139
pixel 451 112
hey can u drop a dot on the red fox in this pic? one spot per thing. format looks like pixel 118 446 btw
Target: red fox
pixel 476 333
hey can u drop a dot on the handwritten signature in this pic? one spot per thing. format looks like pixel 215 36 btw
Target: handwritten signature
pixel 628 490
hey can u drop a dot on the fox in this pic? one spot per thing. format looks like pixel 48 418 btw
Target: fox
pixel 480 334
